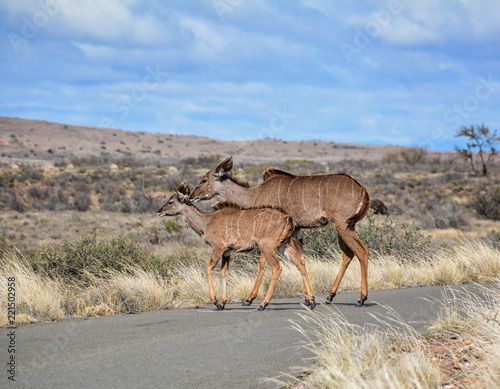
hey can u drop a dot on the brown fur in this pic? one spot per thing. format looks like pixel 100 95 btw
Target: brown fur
pixel 225 204
pixel 312 201
pixel 231 228
pixel 363 210
pixel 266 174
pixel 287 231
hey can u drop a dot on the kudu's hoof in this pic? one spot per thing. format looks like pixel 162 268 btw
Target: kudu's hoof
pixel 246 303
pixel 330 297
pixel 262 307
pixel 361 301
pixel 310 303
pixel 219 306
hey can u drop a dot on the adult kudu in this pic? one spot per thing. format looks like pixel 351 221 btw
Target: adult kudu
pixel 311 201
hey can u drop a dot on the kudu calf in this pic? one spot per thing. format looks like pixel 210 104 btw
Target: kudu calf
pixel 231 228
pixel 312 201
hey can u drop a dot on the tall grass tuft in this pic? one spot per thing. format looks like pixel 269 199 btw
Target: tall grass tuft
pixel 135 290
pixel 393 355
pixel 37 296
pixel 350 356
pixel 477 315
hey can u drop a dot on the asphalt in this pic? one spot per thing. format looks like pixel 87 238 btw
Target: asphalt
pixel 239 347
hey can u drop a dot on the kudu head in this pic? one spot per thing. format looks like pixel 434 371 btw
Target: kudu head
pixel 212 181
pixel 177 201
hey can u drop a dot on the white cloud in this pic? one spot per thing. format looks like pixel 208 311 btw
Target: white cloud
pixel 207 40
pixel 110 22
pixel 441 22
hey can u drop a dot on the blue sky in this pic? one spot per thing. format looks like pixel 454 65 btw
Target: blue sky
pixel 378 72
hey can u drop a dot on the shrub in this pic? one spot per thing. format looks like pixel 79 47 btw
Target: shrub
pixel 320 241
pixel 13 201
pixel 486 204
pixel 410 156
pixel 405 241
pixel 89 257
pixel 381 235
pixel 438 213
pixel 82 201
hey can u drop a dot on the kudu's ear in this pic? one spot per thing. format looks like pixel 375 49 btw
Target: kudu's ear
pixel 184 189
pixel 224 167
pixel 183 192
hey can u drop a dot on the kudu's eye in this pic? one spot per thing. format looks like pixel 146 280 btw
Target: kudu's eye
pixel 204 180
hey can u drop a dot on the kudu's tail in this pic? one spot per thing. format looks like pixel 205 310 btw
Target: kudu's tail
pixel 363 207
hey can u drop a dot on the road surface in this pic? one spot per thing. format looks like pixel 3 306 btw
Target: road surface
pixel 189 348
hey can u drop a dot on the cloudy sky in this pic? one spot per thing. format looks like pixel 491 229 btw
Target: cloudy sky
pixel 377 72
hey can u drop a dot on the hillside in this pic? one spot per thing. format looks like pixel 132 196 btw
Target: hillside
pixel 37 141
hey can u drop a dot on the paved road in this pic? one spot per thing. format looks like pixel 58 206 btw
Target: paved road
pixel 188 348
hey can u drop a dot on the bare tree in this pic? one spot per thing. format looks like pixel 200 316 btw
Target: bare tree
pixel 481 141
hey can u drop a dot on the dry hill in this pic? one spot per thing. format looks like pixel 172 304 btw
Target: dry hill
pixel 37 141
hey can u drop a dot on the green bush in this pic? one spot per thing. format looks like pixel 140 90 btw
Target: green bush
pixel 320 242
pixel 89 257
pixel 382 235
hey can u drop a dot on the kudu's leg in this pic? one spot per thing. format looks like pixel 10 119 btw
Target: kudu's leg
pixel 223 270
pixel 273 261
pixel 293 250
pixel 216 254
pixel 351 245
pixel 347 255
pixel 258 281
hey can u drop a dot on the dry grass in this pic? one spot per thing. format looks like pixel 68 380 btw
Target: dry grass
pixel 477 315
pixel 37 297
pixel 349 356
pixel 395 356
pixel 466 262
pixel 133 289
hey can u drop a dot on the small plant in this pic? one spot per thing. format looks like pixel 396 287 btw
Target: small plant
pixel 172 226
pixel 486 203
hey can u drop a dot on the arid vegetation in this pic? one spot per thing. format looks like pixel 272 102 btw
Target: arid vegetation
pixel 81 224
pixel 82 238
pixel 461 349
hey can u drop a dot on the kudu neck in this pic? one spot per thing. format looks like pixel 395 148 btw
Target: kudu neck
pixel 238 194
pixel 195 218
